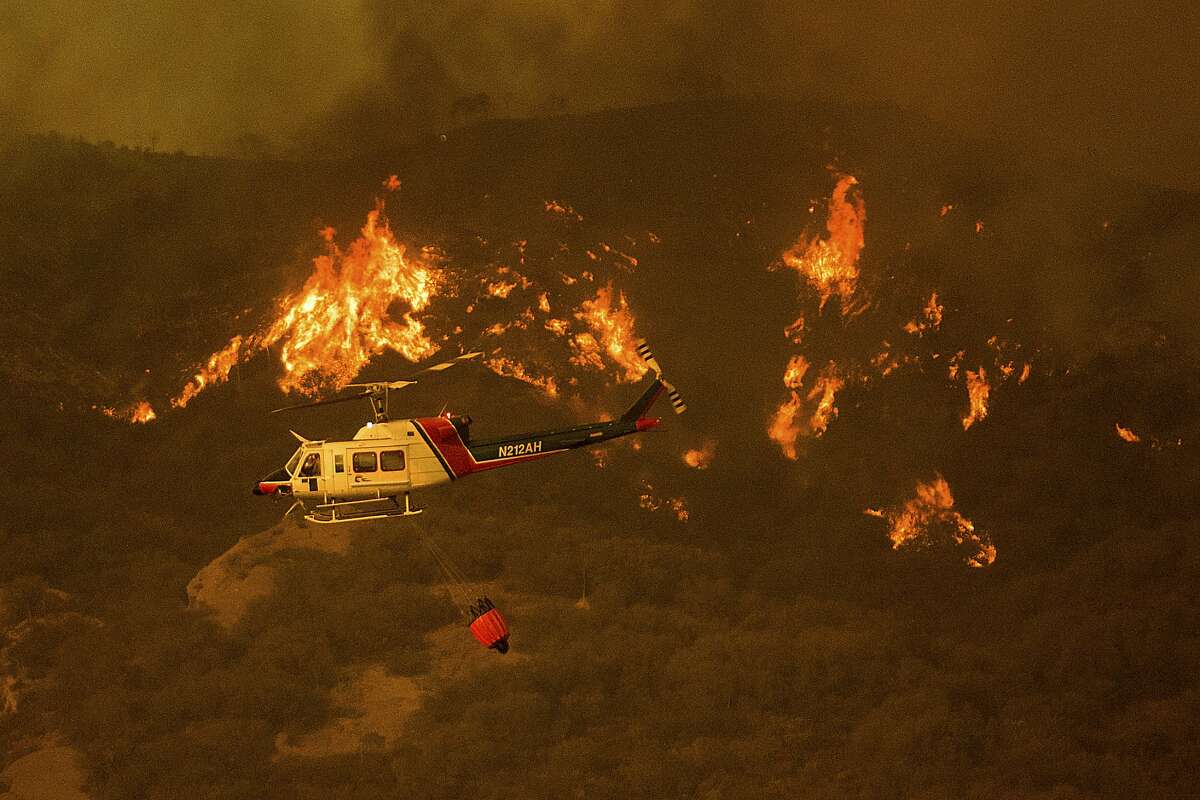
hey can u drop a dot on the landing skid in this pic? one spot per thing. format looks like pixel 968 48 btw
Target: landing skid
pixel 362 510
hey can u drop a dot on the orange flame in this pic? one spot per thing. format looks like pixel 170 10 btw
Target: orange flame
pixel 918 521
pixel 611 323
pixel 701 458
pixel 139 412
pixel 649 501
pixel 784 429
pixel 931 317
pixel 215 370
pixel 341 317
pixel 977 394
pixel 806 414
pixel 515 369
pixel 501 289
pixel 1127 434
pixel 555 207
pixel 831 265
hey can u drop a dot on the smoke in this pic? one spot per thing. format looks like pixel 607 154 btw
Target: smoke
pixel 1104 83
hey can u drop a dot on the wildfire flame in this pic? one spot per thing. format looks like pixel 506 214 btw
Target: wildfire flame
pixel 930 318
pixel 343 315
pixel 831 265
pixel 611 323
pixel 805 414
pixel 649 501
pixel 977 393
pixel 555 207
pixel 919 521
pixel 139 412
pixel 1127 434
pixel 515 369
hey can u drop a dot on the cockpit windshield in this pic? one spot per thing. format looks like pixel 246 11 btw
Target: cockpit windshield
pixel 294 461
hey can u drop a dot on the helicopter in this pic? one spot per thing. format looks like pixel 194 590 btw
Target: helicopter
pixel 374 475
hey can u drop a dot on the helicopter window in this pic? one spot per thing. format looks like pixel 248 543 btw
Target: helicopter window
pixel 312 466
pixel 294 461
pixel 339 463
pixel 364 462
pixel 391 460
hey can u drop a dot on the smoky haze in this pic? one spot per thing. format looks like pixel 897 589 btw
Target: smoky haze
pixel 1108 84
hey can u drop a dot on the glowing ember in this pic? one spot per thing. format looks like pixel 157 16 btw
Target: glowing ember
pixel 1127 434
pixel 392 184
pixel 930 319
pixel 977 394
pixel 356 304
pixel 629 261
pixel 611 323
pixel 795 331
pixel 649 501
pixel 928 517
pixel 831 265
pixel 555 207
pixel 514 369
pixel 946 209
pixel 979 226
pixel 702 458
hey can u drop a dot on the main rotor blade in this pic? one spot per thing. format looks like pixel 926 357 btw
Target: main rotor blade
pixel 377 388
pixel 330 401
pixel 410 379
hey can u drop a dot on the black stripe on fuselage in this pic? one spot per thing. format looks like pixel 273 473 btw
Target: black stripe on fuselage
pixel 421 430
pixel 532 444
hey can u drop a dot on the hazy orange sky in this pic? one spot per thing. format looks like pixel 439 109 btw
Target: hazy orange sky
pixel 1109 83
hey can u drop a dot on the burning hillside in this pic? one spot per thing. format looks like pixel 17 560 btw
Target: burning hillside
pixel 825 509
pixel 377 295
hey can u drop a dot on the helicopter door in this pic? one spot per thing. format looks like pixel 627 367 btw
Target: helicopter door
pixel 311 474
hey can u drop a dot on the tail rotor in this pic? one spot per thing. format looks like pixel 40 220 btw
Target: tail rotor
pixel 643 350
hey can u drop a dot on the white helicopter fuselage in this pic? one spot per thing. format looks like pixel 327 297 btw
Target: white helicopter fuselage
pixel 386 459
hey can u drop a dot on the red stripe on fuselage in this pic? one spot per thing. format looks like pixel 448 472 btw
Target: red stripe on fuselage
pixel 445 439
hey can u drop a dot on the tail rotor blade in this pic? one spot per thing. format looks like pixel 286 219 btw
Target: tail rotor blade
pixel 643 350
pixel 676 401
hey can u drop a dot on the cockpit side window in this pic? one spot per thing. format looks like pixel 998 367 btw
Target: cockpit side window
pixel 294 461
pixel 312 466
